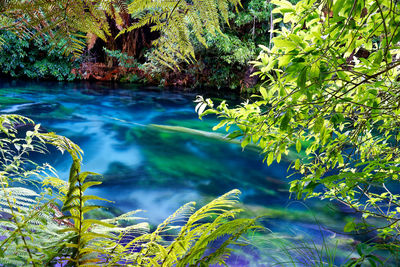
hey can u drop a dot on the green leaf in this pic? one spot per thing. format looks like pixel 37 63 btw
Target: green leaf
pixel 318 124
pixel 372 262
pixel 282 3
pixel 219 125
pixel 302 78
pixel 396 37
pixel 350 226
pixel 378 58
pixel 297 164
pixel 263 93
pixel 90 222
pixel 207 112
pixel 337 7
pixel 234 134
pixel 86 185
pixel 245 141
pixel 315 69
pixel 284 60
pixel 270 158
pixel 86 209
pixel 278 157
pixel 287 10
pixel 340 160
pixel 285 121
pixel 84 175
pixel 92 197
pixel 376 259
pixel 284 44
pixel 298 145
pixel 297 40
pixel 343 75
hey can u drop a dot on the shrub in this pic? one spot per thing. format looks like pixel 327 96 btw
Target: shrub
pixel 34 58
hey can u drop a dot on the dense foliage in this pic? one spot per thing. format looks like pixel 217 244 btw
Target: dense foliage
pixel 44 219
pixel 331 89
pixel 178 20
pixel 35 59
pixel 71 22
pixel 223 64
pixel 226 58
pixel 222 57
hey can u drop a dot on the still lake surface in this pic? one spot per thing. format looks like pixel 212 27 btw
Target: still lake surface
pixel 158 169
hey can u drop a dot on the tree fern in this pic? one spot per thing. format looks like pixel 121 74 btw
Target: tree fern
pixel 178 20
pixel 63 21
pixel 70 22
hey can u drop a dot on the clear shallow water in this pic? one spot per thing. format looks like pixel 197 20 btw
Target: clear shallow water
pixel 157 169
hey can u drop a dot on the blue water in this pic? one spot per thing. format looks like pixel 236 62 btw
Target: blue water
pixel 158 170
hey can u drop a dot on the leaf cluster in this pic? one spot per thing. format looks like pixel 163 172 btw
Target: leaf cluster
pixel 331 96
pixel 22 57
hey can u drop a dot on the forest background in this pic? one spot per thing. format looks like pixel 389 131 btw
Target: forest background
pixel 222 58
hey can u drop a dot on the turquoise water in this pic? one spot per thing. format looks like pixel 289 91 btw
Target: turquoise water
pixel 157 168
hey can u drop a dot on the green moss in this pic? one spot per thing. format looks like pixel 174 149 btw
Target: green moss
pixel 61 112
pixel 182 166
pixel 13 100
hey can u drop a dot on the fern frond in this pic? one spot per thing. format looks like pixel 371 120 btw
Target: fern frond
pixel 177 21
pixel 196 231
pixel 62 21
